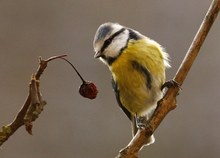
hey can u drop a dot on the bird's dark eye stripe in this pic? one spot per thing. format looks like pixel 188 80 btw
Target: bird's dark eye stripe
pixel 109 40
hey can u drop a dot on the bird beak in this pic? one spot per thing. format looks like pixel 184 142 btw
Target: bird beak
pixel 98 54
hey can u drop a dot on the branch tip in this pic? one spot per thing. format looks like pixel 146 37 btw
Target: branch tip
pixel 56 57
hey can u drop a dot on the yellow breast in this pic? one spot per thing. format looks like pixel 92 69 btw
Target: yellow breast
pixel 135 95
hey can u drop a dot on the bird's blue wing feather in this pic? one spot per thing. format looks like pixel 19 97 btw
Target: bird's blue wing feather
pixel 117 95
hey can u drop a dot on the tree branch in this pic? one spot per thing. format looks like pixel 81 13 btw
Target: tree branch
pixel 32 106
pixel 168 102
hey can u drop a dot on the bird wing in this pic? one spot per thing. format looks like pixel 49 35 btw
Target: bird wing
pixel 117 95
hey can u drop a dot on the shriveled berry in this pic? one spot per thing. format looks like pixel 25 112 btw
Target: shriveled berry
pixel 88 90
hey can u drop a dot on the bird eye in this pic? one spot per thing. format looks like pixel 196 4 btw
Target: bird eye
pixel 108 41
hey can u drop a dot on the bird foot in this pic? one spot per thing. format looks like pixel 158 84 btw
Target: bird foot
pixel 170 83
pixel 142 123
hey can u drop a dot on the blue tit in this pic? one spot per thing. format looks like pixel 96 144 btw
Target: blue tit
pixel 137 64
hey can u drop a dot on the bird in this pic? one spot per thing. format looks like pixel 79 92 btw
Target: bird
pixel 137 65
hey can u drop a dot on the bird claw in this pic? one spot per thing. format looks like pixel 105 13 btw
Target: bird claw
pixel 170 83
pixel 142 123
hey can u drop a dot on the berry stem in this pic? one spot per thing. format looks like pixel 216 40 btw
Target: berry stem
pixel 55 57
pixel 74 69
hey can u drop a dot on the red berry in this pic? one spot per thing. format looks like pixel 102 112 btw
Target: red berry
pixel 88 90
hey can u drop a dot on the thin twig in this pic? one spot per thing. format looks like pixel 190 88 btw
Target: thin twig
pixel 168 102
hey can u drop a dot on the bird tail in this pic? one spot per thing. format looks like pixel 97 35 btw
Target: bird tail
pixel 134 127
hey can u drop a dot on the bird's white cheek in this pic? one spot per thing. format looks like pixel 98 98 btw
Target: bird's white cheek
pixel 111 52
pixel 114 49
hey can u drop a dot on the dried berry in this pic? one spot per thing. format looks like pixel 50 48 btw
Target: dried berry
pixel 88 90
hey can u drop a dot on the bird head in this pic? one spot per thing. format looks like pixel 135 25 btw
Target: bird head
pixel 110 40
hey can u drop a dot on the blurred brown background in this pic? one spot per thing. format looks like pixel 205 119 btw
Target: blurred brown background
pixel 72 126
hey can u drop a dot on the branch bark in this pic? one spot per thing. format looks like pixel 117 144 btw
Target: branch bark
pixel 29 111
pixel 168 102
